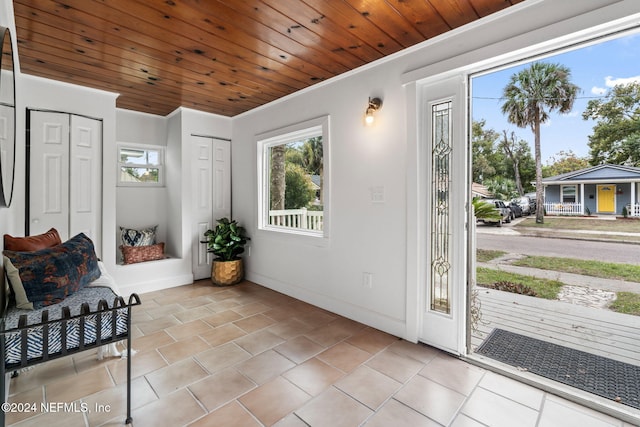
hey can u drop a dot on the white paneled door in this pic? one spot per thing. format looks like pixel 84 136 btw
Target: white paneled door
pixel 65 175
pixel 211 184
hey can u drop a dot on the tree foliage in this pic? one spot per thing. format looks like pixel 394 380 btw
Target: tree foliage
pixel 502 188
pixel 616 134
pixel 564 162
pixel 530 97
pixel 516 152
pixel 299 192
pixel 485 157
pixel 491 162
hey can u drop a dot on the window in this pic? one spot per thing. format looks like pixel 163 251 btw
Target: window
pixel 294 185
pixel 568 194
pixel 140 165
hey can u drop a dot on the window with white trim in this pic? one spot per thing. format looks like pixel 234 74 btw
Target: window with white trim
pixel 140 165
pixel 294 184
pixel 568 194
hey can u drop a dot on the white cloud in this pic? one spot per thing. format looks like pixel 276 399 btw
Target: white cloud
pixel 611 82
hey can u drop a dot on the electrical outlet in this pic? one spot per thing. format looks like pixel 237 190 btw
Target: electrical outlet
pixel 367 280
pixel 377 194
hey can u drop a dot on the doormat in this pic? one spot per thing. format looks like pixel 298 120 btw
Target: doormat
pixel 599 375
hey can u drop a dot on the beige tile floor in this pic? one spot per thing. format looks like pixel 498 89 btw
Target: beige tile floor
pixel 247 356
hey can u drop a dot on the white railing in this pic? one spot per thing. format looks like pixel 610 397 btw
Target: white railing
pixel 633 211
pixel 297 218
pixel 563 208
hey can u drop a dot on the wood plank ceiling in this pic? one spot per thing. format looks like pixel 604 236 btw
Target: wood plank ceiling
pixel 221 56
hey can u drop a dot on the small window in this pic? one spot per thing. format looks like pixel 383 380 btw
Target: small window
pixel 568 194
pixel 140 165
pixel 294 182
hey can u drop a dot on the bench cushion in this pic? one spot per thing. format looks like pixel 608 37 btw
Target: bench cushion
pixel 90 295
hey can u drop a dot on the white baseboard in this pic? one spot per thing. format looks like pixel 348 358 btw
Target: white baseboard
pixel 156 284
pixel 359 314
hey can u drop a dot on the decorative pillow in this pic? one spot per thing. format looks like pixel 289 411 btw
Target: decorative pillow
pixel 17 289
pixel 134 254
pixel 134 237
pixel 50 275
pixel 32 243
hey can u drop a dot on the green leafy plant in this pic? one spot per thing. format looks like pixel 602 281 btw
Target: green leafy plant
pixel 227 240
pixel 484 210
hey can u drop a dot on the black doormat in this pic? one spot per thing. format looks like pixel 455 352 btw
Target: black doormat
pixel 599 375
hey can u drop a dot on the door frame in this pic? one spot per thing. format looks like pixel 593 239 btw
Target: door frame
pixel 449 330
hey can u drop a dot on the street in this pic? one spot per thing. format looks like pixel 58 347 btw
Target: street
pixel 565 248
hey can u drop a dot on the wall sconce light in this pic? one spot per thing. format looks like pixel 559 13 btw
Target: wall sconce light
pixel 374 105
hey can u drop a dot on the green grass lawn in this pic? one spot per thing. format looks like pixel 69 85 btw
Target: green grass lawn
pixel 627 303
pixel 621 225
pixel 544 288
pixel 605 270
pixel 486 255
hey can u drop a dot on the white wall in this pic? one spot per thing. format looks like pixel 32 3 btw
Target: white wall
pixel 168 206
pixel 138 207
pixel 365 236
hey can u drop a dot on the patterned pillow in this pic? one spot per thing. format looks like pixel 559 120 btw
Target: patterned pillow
pixel 32 243
pixel 134 237
pixel 135 254
pixel 50 275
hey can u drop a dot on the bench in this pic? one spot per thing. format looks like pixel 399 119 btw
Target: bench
pixel 91 317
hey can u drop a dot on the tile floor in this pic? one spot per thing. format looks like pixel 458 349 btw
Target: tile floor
pixel 247 356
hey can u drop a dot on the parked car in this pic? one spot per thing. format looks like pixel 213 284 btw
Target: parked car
pixel 525 204
pixel 516 210
pixel 532 202
pixel 505 212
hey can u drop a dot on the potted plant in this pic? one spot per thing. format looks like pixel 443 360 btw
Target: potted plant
pixel 226 242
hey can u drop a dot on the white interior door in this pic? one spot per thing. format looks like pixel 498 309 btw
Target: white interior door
pixel 85 172
pixel 65 175
pixel 211 178
pixel 444 177
pixel 49 173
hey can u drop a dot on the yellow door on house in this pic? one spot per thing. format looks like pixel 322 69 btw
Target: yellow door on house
pixel 606 198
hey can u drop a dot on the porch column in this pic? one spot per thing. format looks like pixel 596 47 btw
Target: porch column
pixel 633 199
pixel 582 197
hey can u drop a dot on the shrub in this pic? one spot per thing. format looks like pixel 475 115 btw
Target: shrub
pixel 516 288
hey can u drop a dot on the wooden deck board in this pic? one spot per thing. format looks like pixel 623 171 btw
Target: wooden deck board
pixel 597 331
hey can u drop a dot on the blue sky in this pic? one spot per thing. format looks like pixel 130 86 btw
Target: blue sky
pixel 594 69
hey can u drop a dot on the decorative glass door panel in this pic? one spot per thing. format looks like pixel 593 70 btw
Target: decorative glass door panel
pixel 440 280
pixel 444 218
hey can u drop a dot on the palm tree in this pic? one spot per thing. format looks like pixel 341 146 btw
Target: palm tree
pixel 531 95
pixel 277 190
pixel 313 162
